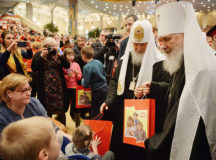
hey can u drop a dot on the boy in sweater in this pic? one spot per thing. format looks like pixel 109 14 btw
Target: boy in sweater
pixel 94 77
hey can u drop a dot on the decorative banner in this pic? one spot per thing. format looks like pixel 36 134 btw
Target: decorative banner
pixel 73 17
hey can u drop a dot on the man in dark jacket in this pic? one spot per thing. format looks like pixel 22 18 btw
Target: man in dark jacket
pixel 129 20
pixel 100 48
pixel 81 40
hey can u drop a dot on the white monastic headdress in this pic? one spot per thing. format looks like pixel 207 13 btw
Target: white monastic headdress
pixel 198 96
pixel 141 32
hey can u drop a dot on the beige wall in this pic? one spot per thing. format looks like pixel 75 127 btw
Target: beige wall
pixel 211 21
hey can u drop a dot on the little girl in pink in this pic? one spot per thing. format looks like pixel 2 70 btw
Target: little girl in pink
pixel 72 75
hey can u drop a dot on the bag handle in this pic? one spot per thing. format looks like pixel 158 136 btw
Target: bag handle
pixel 98 117
pixel 143 97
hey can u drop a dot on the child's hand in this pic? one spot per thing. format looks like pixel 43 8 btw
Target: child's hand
pixel 76 72
pixel 95 143
pixel 70 74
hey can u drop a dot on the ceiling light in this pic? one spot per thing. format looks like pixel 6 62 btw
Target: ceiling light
pixel 106 4
pixel 96 6
pixel 209 0
pixel 92 1
pixel 204 5
pixel 107 7
pixel 193 1
pixel 201 2
pixel 208 6
pixel 212 4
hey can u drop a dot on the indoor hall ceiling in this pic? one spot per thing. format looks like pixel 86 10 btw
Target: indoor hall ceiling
pixel 82 7
pixel 144 7
pixel 114 8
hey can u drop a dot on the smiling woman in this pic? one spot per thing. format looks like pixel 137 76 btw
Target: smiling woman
pixel 15 100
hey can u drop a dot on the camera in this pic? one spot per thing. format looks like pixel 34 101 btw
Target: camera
pixel 52 52
pixel 111 40
pixel 21 44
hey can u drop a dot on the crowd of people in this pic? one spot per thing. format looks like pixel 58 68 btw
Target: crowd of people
pixel 174 65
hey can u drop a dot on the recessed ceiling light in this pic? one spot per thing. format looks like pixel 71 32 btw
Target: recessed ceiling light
pixel 92 1
pixel 193 1
pixel 121 6
pixel 208 6
pixel 107 7
pixel 106 4
pixel 96 6
pixel 201 2
pixel 204 5
pixel 209 0
pixel 212 4
pixel 120 9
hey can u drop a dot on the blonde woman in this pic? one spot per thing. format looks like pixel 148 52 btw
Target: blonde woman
pixel 15 100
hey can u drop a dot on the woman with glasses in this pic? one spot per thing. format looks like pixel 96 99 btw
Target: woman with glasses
pixel 50 78
pixel 16 102
pixel 11 56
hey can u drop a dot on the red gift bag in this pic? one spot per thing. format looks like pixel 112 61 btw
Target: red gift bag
pixel 83 97
pixel 101 129
pixel 139 121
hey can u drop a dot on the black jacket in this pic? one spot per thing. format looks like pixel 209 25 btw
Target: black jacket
pixel 122 48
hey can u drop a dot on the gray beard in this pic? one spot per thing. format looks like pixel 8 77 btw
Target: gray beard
pixel 136 58
pixel 174 60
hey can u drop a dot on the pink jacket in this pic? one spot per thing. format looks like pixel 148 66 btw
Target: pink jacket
pixel 71 82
